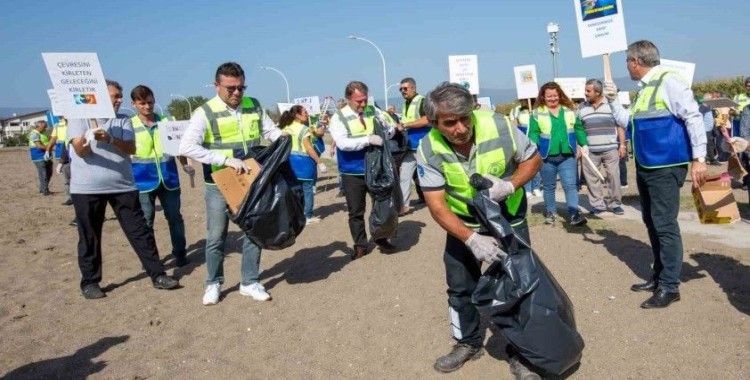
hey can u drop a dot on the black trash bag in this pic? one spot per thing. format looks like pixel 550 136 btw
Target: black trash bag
pixel 523 298
pixel 381 182
pixel 272 213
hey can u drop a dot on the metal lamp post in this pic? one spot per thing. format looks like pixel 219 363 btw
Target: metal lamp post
pixel 282 77
pixel 382 58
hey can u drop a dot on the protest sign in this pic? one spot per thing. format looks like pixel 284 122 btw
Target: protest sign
pixel 79 85
pixel 526 81
pixel 284 107
pixel 170 133
pixel 601 26
pixel 464 70
pixel 58 108
pixel 685 69
pixel 485 103
pixel 311 104
pixel 575 88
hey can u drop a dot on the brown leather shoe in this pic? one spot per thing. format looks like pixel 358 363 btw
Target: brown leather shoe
pixel 460 354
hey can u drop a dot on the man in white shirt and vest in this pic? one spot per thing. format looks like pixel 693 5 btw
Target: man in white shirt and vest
pixel 465 141
pixel 667 135
pixel 352 130
pixel 220 134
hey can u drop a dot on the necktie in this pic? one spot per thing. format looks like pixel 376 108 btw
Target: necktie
pixel 362 120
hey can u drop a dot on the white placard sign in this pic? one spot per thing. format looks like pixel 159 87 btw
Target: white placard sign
pixel 284 107
pixel 575 88
pixel 485 103
pixel 685 69
pixel 79 85
pixel 623 97
pixel 464 70
pixel 526 81
pixel 170 133
pixel 55 103
pixel 601 26
pixel 311 104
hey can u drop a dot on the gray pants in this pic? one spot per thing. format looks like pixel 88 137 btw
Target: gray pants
pixel 609 162
pixel 65 170
pixel 408 166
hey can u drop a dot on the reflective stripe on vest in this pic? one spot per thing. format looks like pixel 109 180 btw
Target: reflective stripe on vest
pixel 544 120
pixel 659 138
pixel 302 164
pixel 495 148
pixel 151 166
pixel 353 162
pixel 227 135
pixel 35 153
pixel 61 132
pixel 742 101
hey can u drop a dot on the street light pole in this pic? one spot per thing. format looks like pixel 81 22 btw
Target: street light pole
pixel 282 77
pixel 382 58
pixel 190 107
pixel 553 29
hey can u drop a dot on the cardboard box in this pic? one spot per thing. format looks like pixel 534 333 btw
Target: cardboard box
pixel 235 186
pixel 715 201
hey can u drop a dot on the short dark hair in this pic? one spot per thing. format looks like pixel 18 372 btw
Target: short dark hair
pixel 141 92
pixel 747 80
pixel 113 84
pixel 354 86
pixel 230 69
pixel 409 80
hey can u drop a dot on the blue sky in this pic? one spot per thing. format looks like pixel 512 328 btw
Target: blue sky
pixel 175 46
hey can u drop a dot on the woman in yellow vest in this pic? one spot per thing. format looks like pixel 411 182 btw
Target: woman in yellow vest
pixel 556 130
pixel 304 158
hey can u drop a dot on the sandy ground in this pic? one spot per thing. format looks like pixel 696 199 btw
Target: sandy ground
pixel 384 316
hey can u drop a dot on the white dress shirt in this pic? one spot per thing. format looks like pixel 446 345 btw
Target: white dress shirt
pixel 337 127
pixel 192 140
pixel 680 101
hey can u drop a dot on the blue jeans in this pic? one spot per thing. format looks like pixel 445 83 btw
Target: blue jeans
pixel 217 222
pixel 566 167
pixel 170 203
pixel 534 184
pixel 308 188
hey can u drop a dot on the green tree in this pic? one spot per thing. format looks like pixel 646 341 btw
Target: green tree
pixel 179 109
pixel 728 86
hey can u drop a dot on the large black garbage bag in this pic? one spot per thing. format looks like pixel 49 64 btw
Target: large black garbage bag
pixel 524 299
pixel 380 179
pixel 272 214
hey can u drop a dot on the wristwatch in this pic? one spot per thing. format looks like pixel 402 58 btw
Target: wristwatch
pixel 702 160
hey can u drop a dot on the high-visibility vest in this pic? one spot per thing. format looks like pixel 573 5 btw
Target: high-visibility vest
pixel 226 134
pixel 495 148
pixel 544 120
pixel 523 118
pixel 353 162
pixel 742 100
pixel 302 164
pixel 151 166
pixel 659 138
pixel 61 132
pixel 35 153
pixel 411 113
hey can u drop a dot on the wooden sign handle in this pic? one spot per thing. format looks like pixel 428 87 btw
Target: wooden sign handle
pixel 607 67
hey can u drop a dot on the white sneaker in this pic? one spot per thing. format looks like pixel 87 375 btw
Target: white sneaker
pixel 312 220
pixel 537 193
pixel 255 290
pixel 211 296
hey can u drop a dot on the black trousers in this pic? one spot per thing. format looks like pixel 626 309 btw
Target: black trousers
pixel 659 191
pixel 355 193
pixel 90 209
pixel 462 271
pixel 711 146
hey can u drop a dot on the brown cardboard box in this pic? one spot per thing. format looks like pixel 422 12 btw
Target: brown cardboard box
pixel 715 202
pixel 235 186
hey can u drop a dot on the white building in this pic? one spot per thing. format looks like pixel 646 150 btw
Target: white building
pixel 16 125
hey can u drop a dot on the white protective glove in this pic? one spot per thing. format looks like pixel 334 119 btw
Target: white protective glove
pixel 89 136
pixel 236 164
pixel 610 90
pixel 47 156
pixel 500 189
pixel 738 143
pixel 58 169
pixel 323 168
pixel 485 248
pixel 375 140
pixel 188 169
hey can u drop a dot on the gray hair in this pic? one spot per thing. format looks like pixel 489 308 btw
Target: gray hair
pixel 409 80
pixel 40 122
pixel 449 98
pixel 112 83
pixel 598 86
pixel 355 86
pixel 644 52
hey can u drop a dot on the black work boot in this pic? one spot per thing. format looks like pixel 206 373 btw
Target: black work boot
pixel 460 354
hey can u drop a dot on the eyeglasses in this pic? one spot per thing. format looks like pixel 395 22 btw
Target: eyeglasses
pixel 402 89
pixel 232 89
